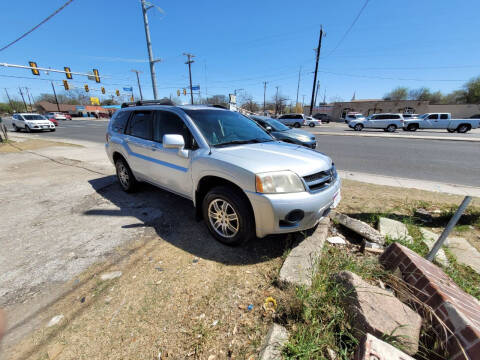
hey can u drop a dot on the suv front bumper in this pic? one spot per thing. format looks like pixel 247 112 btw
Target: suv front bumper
pixel 271 210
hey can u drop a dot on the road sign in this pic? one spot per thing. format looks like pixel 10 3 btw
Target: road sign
pixel 127 89
pixel 94 101
pixel 196 87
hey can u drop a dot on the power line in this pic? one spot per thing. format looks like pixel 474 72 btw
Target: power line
pixel 349 28
pixel 37 26
pixel 389 78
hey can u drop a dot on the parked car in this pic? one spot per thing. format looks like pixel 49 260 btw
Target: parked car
pixel 324 118
pixel 240 179
pixel 68 116
pixel 441 121
pixel 31 122
pixel 56 115
pixel 353 116
pixel 284 133
pixel 53 120
pixel 387 122
pixel 295 120
pixel 312 122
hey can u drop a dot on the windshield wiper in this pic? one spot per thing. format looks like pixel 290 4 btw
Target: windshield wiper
pixel 240 142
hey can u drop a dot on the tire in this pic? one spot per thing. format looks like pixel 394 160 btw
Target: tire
pixel 358 127
pixel 297 125
pixel 15 128
pixel 391 128
pixel 224 201
pixel 412 127
pixel 125 176
pixel 463 128
pixel 52 130
pixel 27 129
pixel 311 125
pixel 451 130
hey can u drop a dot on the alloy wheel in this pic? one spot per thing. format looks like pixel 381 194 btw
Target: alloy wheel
pixel 223 218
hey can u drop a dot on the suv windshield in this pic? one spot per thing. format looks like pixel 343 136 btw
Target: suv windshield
pixel 33 117
pixel 221 128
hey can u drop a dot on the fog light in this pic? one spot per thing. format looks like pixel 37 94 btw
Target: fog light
pixel 295 216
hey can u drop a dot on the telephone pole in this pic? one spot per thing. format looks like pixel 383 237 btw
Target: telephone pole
pixel 324 95
pixel 264 93
pixel 29 98
pixel 189 63
pixel 316 69
pixel 276 100
pixel 316 93
pixel 24 103
pixel 149 48
pixel 298 85
pixel 55 93
pixel 138 81
pixel 9 100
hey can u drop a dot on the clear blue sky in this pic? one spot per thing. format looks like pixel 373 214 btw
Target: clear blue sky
pixel 240 44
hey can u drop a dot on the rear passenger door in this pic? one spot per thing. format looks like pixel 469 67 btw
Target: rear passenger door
pixel 444 121
pixel 138 139
pixel 169 170
pixel 431 122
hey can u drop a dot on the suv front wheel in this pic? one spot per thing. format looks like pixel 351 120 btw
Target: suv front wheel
pixel 125 176
pixel 228 216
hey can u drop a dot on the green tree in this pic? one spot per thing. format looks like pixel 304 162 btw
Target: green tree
pixel 399 93
pixel 472 89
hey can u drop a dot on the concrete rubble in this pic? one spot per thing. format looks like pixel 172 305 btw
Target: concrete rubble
pixel 372 348
pixel 394 229
pixel 429 238
pixel 359 227
pixel 465 253
pixel 377 311
pixel 276 338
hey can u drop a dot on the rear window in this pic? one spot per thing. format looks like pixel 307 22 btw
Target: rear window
pixel 444 116
pixel 119 121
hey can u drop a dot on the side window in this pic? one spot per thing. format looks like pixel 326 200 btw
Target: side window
pixel 444 116
pixel 140 125
pixel 298 117
pixel 395 117
pixel 374 117
pixel 167 122
pixel 119 121
pixel 433 117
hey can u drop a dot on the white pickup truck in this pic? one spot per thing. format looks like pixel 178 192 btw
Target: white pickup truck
pixel 440 121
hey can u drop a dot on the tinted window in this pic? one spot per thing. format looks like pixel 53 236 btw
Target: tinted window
pixel 285 117
pixel 433 117
pixel 33 117
pixel 444 116
pixel 119 121
pixel 298 117
pixel 168 123
pixel 394 117
pixel 141 125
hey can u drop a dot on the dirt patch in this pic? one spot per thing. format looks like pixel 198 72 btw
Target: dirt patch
pixel 30 144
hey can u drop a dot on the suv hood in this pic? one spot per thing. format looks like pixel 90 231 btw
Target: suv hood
pixel 274 156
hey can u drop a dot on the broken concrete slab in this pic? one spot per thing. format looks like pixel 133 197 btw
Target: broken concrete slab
pixel 299 266
pixel 394 229
pixel 111 275
pixel 55 320
pixel 376 311
pixel 429 238
pixel 423 214
pixel 372 348
pixel 336 240
pixel 465 253
pixel 359 227
pixel 276 338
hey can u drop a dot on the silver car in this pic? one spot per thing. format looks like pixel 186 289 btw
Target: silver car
pixel 388 122
pixel 240 179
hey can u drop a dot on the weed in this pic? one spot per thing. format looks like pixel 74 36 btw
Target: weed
pixel 463 276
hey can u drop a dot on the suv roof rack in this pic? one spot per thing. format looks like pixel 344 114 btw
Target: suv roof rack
pixel 148 102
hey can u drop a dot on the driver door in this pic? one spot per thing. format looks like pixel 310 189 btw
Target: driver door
pixel 431 122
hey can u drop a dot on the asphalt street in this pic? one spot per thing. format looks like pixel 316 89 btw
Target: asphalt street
pixel 454 162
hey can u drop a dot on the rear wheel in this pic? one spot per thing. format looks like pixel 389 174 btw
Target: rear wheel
pixel 297 125
pixel 451 130
pixel 358 127
pixel 311 124
pixel 391 128
pixel 125 176
pixel 412 127
pixel 463 128
pixel 228 216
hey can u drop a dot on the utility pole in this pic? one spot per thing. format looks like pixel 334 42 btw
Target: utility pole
pixel 264 93
pixel 276 100
pixel 189 63
pixel 55 93
pixel 324 95
pixel 298 85
pixel 138 82
pixel 24 103
pixel 29 99
pixel 149 48
pixel 316 69
pixel 316 93
pixel 9 100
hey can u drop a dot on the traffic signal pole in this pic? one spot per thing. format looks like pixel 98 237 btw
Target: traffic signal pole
pixel 149 48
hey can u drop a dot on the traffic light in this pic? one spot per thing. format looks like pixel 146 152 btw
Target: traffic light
pixel 65 85
pixel 117 92
pixel 86 88
pixel 103 90
pixel 178 92
pixel 96 75
pixel 68 72
pixel 34 68
pixel 184 91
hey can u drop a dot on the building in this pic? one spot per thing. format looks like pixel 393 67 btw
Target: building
pixel 75 110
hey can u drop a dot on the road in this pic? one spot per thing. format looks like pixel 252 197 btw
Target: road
pixel 454 162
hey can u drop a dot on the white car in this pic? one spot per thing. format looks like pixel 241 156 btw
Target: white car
pixel 56 115
pixel 312 122
pixel 295 120
pixel 353 116
pixel 31 122
pixel 387 122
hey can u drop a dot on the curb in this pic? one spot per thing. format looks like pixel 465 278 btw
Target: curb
pixel 402 136
pixel 299 266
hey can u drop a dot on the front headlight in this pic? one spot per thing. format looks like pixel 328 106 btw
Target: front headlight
pixel 278 182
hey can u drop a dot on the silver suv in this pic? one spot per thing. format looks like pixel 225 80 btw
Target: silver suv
pixel 241 180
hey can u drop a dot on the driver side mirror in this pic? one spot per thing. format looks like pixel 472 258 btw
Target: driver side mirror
pixel 175 141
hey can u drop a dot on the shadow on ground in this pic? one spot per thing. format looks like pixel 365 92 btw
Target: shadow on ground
pixel 174 221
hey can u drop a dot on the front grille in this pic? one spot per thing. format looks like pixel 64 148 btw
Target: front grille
pixel 320 180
